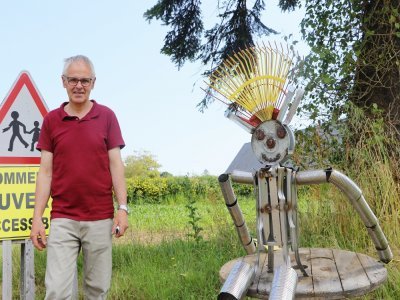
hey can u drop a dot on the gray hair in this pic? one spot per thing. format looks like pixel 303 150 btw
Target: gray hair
pixel 68 61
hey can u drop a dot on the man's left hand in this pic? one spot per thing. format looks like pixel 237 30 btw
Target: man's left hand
pixel 120 223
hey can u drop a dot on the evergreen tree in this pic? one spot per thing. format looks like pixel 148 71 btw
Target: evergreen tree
pixel 188 40
pixel 355 47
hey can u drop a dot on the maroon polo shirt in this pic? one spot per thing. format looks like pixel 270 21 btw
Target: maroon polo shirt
pixel 81 185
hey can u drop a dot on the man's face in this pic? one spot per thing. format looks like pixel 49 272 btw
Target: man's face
pixel 77 92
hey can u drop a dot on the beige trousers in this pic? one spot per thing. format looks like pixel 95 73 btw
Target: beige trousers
pixel 66 239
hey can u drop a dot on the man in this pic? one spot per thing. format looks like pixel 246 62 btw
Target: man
pixel 80 165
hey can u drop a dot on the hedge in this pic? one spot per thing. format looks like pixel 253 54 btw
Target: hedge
pixel 160 189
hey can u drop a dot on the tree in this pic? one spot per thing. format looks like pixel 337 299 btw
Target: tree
pixel 205 173
pixel 355 47
pixel 355 57
pixel 188 40
pixel 377 75
pixel 141 164
pixel 166 174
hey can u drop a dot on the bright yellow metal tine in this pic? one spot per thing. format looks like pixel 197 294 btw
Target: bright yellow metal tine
pixel 254 78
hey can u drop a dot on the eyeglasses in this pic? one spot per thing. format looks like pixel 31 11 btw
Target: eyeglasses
pixel 73 81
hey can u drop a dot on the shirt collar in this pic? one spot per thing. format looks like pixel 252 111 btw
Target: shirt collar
pixel 92 114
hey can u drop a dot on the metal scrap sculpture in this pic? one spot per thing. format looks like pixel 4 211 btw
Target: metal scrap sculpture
pixel 253 83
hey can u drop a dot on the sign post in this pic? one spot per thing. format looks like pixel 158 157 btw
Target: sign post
pixel 21 117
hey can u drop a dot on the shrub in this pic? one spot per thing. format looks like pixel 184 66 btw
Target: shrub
pixel 160 189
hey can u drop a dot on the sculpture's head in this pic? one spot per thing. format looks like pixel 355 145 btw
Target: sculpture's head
pixel 254 84
pixel 272 142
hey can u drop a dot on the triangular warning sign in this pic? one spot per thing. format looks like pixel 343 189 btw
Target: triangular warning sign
pixel 21 117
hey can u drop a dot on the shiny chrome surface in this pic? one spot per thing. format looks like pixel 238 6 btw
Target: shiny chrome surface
pixel 239 280
pixel 283 284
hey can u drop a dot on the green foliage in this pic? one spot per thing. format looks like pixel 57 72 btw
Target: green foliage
pixel 351 144
pixel 371 160
pixel 355 53
pixel 163 189
pixel 183 41
pixel 320 146
pixel 146 267
pixel 194 219
pixel 327 219
pixel 188 40
pixel 165 174
pixel 141 164
pixel 170 270
pixel 331 29
pixel 288 5
pixel 152 189
pixel 355 56
pixel 171 220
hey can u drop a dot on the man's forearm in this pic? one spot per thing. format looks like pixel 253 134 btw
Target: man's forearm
pixel 42 194
pixel 117 175
pixel 119 185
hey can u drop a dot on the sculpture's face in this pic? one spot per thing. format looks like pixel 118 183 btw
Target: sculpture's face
pixel 271 142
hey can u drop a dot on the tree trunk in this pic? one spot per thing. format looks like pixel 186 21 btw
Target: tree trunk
pixel 377 78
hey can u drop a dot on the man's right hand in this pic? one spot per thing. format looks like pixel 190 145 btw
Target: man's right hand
pixel 38 234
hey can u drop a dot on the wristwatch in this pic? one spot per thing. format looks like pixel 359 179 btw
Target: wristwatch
pixel 123 207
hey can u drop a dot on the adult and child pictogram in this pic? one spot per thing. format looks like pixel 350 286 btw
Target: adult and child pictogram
pixel 16 127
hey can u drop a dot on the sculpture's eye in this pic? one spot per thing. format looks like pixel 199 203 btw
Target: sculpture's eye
pixel 260 134
pixel 280 132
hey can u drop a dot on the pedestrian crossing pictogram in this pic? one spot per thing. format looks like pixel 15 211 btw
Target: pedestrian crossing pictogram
pixel 21 117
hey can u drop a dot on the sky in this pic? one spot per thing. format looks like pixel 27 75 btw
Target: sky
pixel 155 102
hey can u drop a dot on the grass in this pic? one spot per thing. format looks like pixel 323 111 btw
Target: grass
pixel 328 220
pixel 167 264
pixel 173 221
pixel 157 259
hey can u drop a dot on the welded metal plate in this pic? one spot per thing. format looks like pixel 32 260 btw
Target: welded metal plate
pixel 271 142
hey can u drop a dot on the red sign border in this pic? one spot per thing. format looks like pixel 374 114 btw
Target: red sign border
pixel 23 79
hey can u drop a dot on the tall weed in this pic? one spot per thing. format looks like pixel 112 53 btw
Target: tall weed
pixel 366 149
